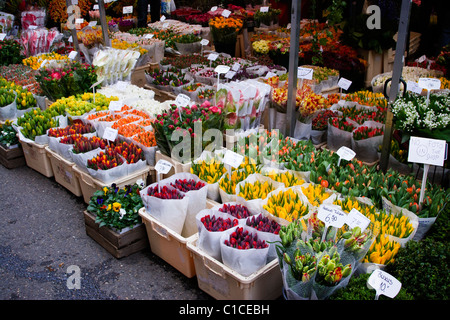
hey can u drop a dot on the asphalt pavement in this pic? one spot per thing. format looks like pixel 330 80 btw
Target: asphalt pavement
pixel 43 244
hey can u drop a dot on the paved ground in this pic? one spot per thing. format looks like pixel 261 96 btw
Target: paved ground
pixel 42 233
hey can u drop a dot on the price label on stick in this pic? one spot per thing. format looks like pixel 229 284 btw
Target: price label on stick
pixel 413 87
pixel 331 215
pixel 2 36
pixel 222 69
pixel 163 166
pixel 230 74
pixel 80 20
pixel 213 8
pixel 149 36
pixel 182 100
pixel 427 151
pixel 233 159
pixel 305 73
pixel 92 23
pixel 384 284
pixel 357 219
pixel 429 83
pixel 127 9
pixel 110 134
pixel 213 56
pixel 95 7
pixel 204 42
pixel 73 55
pixel 162 18
pixel 264 9
pixel 345 153
pixel 115 105
pixel 226 13
pixel 344 83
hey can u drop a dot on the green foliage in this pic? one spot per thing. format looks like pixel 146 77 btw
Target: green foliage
pixel 10 52
pixel 357 289
pixel 422 267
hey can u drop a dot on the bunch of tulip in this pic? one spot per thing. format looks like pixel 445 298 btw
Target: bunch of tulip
pixel 286 205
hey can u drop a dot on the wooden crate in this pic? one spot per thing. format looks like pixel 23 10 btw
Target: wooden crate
pixel 13 157
pixel 138 76
pixel 161 95
pixel 118 244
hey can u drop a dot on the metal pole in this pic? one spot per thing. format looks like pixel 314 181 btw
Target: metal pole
pixel 293 67
pixel 403 28
pixel 101 8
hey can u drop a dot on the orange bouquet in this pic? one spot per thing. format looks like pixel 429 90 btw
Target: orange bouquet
pixel 225 30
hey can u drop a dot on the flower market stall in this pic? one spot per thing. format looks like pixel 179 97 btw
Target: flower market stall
pixel 176 137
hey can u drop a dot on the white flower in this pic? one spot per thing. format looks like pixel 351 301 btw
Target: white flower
pixel 122 212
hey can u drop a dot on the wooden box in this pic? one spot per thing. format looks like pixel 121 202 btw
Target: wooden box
pixel 118 244
pixel 12 157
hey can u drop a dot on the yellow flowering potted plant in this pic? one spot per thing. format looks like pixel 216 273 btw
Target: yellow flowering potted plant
pixel 112 215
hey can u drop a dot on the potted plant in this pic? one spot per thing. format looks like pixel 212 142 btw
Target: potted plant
pixel 224 32
pixel 188 43
pixel 112 219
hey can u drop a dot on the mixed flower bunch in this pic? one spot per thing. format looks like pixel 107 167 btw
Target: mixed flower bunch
pixel 8 135
pixel 74 78
pixel 116 208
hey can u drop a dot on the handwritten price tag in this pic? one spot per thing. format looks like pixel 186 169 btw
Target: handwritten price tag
pixel 427 151
pixel 73 55
pixel 429 83
pixel 110 134
pixel 346 153
pixel 413 87
pixel 127 9
pixel 115 105
pixel 95 7
pixel 264 9
pixel 149 36
pixel 305 73
pixel 163 166
pixel 226 13
pixel 344 83
pixel 213 56
pixel 213 8
pixel 92 23
pixel 384 284
pixel 233 159
pixel 204 42
pixel 331 215
pixel 236 66
pixel 357 219
pixel 80 20
pixel 182 100
pixel 222 69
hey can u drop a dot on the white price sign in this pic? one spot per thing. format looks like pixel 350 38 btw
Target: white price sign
pixel 222 69
pixel 427 151
pixel 2 36
pixel 233 159
pixel 384 284
pixel 357 219
pixel 226 13
pixel 73 55
pixel 149 36
pixel 204 42
pixel 127 9
pixel 213 56
pixel 80 20
pixel 95 7
pixel 230 74
pixel 110 134
pixel 413 87
pixel 236 66
pixel 70 39
pixel 162 18
pixel 344 83
pixel 331 215
pixel 163 166
pixel 182 100
pixel 429 83
pixel 346 153
pixel 92 23
pixel 305 73
pixel 264 9
pixel 269 74
pixel 115 105
pixel 421 59
pixel 213 8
